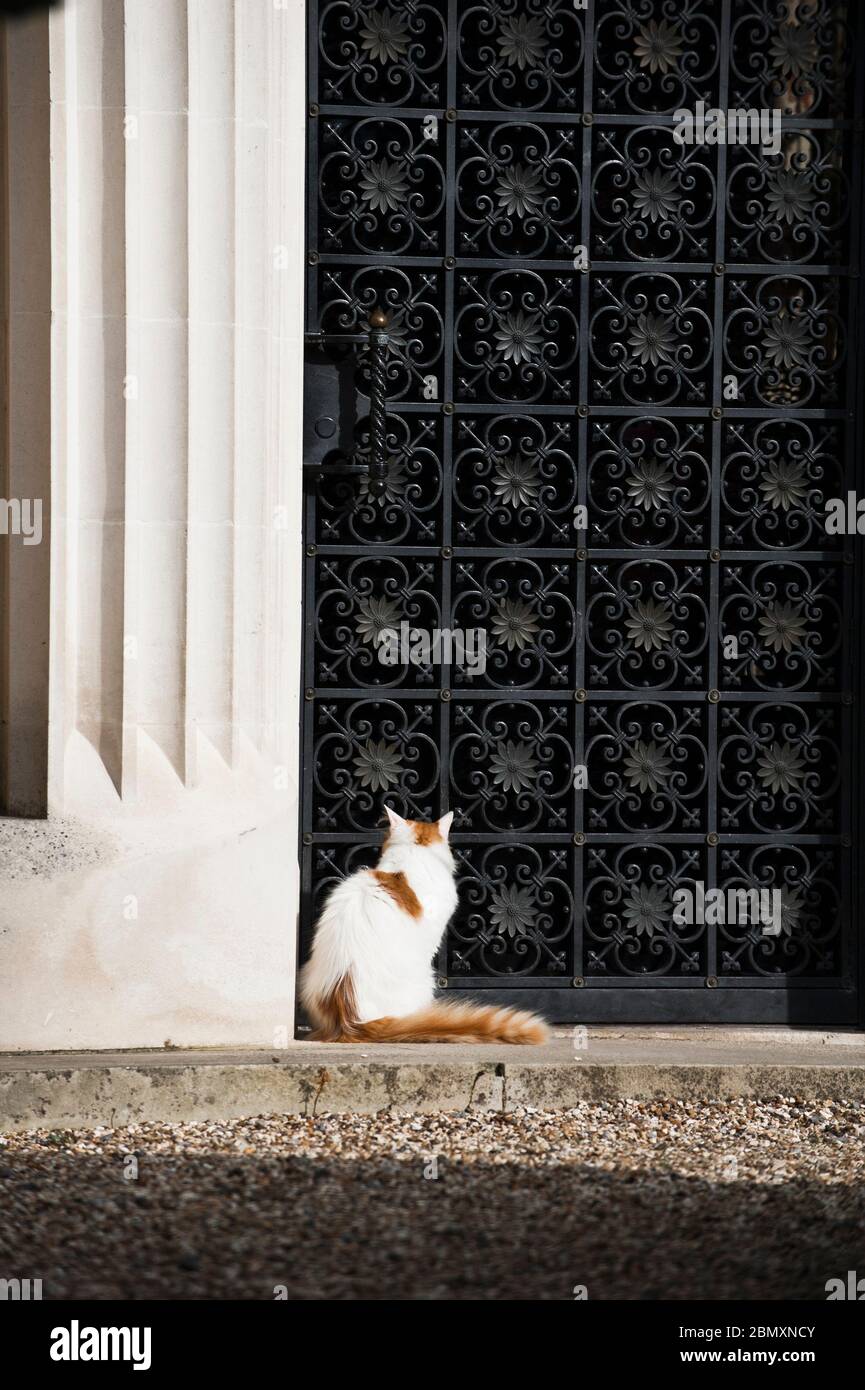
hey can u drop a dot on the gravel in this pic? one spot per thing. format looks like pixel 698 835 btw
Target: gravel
pixel 628 1199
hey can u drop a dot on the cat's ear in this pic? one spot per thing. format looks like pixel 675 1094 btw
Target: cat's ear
pixel 396 822
pixel 445 824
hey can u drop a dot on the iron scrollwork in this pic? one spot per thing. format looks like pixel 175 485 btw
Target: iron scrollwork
pixel 584 314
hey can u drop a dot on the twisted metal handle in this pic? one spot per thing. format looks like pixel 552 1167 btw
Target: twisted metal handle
pixel 378 342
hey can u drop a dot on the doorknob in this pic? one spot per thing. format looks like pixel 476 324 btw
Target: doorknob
pixel 323 427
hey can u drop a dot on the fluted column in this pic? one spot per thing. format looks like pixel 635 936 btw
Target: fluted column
pixel 177 283
pixel 178 343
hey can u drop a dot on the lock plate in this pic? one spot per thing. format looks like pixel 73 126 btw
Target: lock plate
pixel 330 408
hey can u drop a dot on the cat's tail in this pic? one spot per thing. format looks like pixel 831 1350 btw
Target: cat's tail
pixel 441 1022
pixel 438 1022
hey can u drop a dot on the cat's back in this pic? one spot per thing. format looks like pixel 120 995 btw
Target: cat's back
pixel 362 903
pixel 362 929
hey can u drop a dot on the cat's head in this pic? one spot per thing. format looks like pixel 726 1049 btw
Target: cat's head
pixel 431 834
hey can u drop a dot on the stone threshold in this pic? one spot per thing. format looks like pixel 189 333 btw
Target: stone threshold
pixel 65 1090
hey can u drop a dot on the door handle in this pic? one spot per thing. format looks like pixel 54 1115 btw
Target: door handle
pixel 376 340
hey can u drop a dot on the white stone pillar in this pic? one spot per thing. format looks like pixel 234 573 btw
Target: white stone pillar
pixel 159 901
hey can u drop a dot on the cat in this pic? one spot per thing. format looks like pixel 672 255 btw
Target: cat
pixel 369 977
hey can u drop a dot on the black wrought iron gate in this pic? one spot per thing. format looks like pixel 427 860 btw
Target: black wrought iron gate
pixel 579 311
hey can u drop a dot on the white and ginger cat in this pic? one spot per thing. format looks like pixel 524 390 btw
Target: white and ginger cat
pixel 370 977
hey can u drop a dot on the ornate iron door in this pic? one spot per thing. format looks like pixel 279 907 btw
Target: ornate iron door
pixel 583 312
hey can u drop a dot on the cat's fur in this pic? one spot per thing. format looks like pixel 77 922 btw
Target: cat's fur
pixel 370 977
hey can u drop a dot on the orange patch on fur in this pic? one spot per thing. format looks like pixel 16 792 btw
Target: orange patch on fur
pixel 397 885
pixel 425 832
pixel 335 1014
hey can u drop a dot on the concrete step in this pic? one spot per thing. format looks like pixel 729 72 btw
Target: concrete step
pixel 68 1090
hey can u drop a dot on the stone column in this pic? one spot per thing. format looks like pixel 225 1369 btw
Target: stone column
pixel 25 420
pixel 159 901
